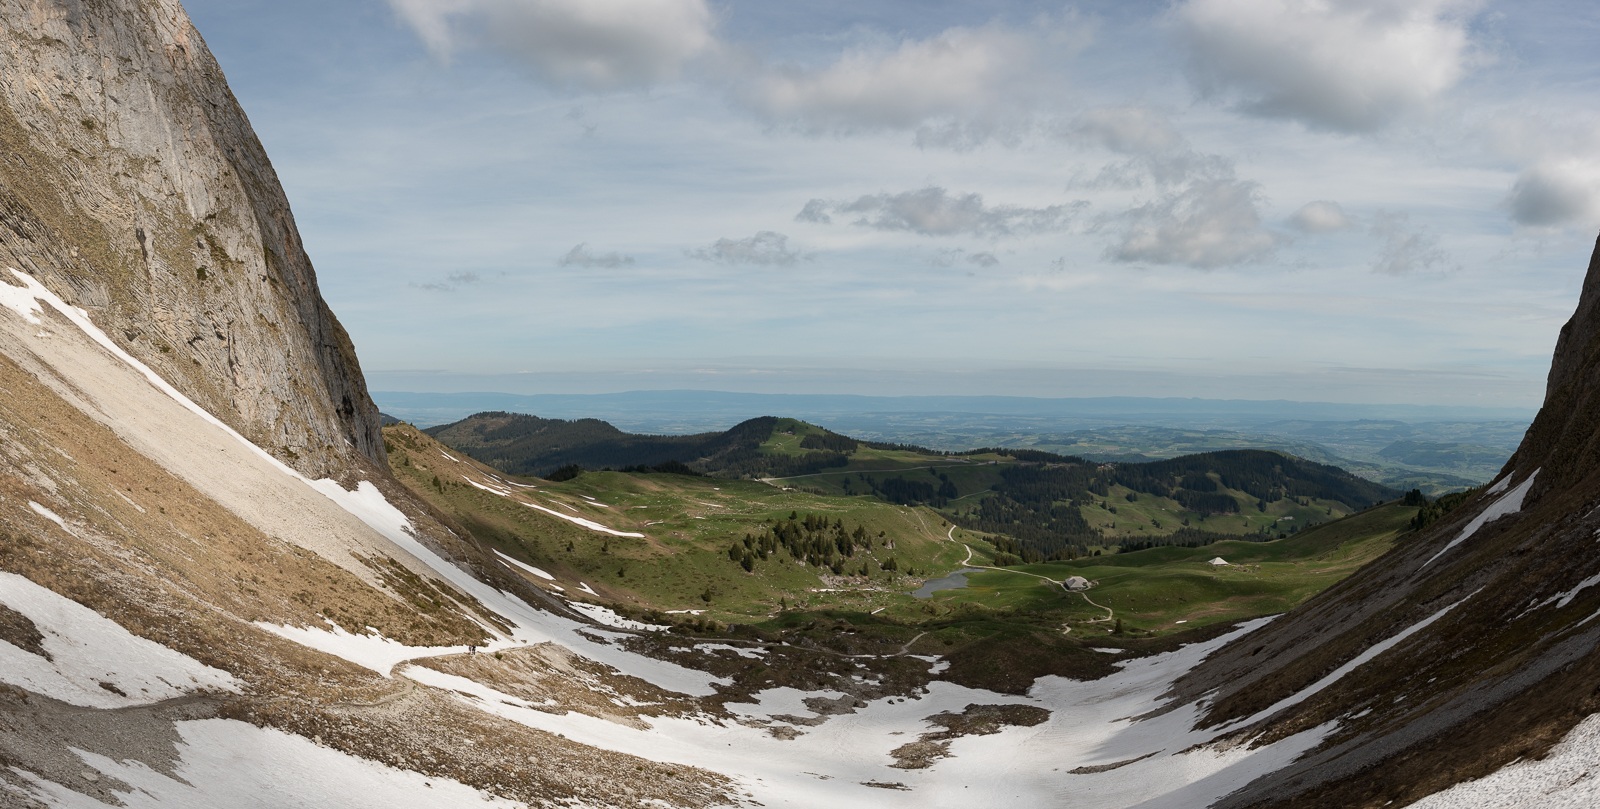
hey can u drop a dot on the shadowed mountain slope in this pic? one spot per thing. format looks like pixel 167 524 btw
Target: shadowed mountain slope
pixel 1474 642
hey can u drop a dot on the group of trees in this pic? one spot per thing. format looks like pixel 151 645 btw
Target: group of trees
pixel 907 492
pixel 1431 512
pixel 813 540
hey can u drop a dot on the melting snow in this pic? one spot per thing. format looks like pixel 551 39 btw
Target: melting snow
pixel 609 618
pixel 237 765
pixel 1511 503
pixel 589 524
pixel 48 514
pixel 87 649
pixel 1360 660
pixel 523 565
pixel 742 651
pixel 1561 780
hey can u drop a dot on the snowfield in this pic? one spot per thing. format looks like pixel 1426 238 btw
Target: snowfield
pixel 233 765
pixel 86 650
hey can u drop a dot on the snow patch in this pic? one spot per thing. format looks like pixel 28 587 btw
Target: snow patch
pixel 490 489
pixel 1563 779
pixel 754 652
pixel 1360 660
pixel 87 649
pixel 240 766
pixel 372 651
pixel 606 616
pixel 524 566
pixel 48 514
pixel 584 586
pixel 1511 503
pixel 589 524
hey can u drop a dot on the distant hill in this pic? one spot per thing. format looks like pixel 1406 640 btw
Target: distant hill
pixel 528 445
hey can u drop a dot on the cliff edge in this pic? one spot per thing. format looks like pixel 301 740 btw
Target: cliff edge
pixel 132 185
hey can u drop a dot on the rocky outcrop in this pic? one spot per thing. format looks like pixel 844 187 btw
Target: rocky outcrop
pixel 132 185
pixel 1470 645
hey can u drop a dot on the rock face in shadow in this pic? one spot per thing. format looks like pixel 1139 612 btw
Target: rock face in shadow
pixel 132 185
pixel 1507 662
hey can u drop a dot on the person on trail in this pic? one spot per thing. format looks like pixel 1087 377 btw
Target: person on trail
pixel 472 650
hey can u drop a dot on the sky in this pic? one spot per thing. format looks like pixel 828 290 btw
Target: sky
pixel 1342 200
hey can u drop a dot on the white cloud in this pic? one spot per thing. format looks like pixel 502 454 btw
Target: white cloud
pixel 933 211
pixel 1344 65
pixel 592 44
pixel 766 248
pixel 1405 249
pixel 957 87
pixel 1128 130
pixel 581 257
pixel 1556 193
pixel 1322 216
pixel 1559 184
pixel 1209 223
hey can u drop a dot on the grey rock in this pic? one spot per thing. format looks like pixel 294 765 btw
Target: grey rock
pixel 132 185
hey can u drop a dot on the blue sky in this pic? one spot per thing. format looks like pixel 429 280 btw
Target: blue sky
pixel 1345 200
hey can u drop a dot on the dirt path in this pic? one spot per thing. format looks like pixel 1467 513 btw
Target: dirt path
pixel 1110 614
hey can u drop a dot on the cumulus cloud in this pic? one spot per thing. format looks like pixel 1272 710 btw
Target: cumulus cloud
pixel 1342 65
pixel 933 211
pixel 1208 223
pixel 592 44
pixel 1559 182
pixel 1405 249
pixel 1556 193
pixel 580 256
pixel 766 248
pixel 451 282
pixel 1322 216
pixel 954 89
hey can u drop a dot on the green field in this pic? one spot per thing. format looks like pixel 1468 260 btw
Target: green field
pixel 682 562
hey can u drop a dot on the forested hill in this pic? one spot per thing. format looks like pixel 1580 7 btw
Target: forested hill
pixel 1042 502
pixel 528 445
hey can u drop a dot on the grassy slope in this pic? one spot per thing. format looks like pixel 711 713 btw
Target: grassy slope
pixel 1153 590
pixel 689 522
pixel 1004 630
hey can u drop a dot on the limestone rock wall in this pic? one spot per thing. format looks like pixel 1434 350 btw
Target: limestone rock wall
pixel 132 185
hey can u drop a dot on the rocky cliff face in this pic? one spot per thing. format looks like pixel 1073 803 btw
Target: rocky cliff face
pixel 132 185
pixel 1470 645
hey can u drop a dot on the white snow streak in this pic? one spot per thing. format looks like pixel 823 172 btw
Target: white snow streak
pixel 1511 503
pixel 1360 660
pixel 589 524
pixel 525 566
pixel 48 514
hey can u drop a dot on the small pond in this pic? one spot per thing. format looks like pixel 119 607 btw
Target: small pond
pixel 954 581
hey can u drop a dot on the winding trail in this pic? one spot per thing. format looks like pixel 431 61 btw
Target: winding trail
pixel 1110 614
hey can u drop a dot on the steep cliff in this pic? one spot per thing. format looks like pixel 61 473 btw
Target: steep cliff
pixel 1471 645
pixel 132 185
